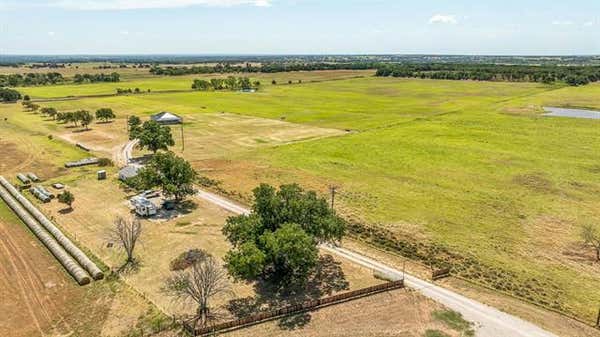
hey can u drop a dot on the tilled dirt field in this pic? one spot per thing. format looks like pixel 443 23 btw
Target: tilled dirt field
pixel 38 298
pixel 35 291
pixel 395 313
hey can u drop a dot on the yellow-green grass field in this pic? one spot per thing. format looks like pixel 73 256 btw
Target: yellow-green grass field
pixel 145 81
pixel 469 165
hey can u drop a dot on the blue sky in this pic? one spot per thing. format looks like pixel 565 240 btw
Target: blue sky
pixel 299 26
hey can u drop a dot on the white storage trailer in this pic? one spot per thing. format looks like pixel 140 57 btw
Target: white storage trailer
pixel 23 179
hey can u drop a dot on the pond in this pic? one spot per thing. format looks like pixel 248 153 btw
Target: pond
pixel 573 113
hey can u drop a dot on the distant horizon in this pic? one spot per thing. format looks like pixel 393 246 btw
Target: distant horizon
pixel 299 54
pixel 300 27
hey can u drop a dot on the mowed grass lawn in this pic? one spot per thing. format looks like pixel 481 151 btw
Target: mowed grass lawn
pixel 470 165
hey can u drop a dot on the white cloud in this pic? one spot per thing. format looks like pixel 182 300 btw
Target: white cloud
pixel 562 22
pixel 51 33
pixel 443 19
pixel 91 5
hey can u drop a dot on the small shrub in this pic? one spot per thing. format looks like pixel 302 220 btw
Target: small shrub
pixel 103 162
pixel 435 333
pixel 455 321
pixel 186 259
pixel 207 182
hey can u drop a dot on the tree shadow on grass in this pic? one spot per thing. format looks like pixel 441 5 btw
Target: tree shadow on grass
pixel 129 267
pixel 186 207
pixel 66 210
pixel 82 130
pixel 327 278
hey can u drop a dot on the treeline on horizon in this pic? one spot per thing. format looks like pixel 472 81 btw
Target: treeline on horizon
pixel 263 68
pixel 565 60
pixel 51 78
pixel 572 75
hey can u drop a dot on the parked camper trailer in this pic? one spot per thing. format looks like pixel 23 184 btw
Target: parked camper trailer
pixel 143 206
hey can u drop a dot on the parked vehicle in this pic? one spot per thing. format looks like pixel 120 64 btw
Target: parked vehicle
pixel 143 206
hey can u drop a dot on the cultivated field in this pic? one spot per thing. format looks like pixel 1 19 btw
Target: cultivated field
pixel 40 299
pixel 467 165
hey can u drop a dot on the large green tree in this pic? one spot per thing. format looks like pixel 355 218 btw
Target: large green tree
pixel 85 117
pixel 105 114
pixel 134 125
pixel 154 136
pixel 278 239
pixel 9 95
pixel 51 112
pixel 174 175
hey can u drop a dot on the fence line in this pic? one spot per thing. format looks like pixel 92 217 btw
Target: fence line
pixel 296 308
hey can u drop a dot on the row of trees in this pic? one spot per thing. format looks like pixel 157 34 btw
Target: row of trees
pixel 123 91
pixel 92 78
pixel 493 72
pixel 229 83
pixel 29 79
pixel 79 117
pixel 275 67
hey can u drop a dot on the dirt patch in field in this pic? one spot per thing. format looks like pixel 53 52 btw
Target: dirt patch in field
pixel 12 158
pixel 536 182
pixel 15 159
pixel 101 137
pixel 394 313
pixel 224 134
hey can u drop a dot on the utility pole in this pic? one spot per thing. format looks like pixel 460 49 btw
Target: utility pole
pixel 332 190
pixel 182 138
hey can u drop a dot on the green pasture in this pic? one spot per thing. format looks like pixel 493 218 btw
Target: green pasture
pixel 145 81
pixel 470 165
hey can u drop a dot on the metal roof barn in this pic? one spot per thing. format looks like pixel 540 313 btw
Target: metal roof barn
pixel 165 117
pixel 129 171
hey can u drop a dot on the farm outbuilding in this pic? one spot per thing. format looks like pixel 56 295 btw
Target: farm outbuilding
pixel 165 117
pixel 129 171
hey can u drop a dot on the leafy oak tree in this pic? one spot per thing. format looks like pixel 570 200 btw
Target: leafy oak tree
pixel 278 240
pixel 66 198
pixel 134 124
pixel 105 114
pixel 9 95
pixel 174 175
pixel 51 112
pixel 154 136
pixel 85 117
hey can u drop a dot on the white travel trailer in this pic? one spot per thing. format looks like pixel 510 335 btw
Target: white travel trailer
pixel 143 206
